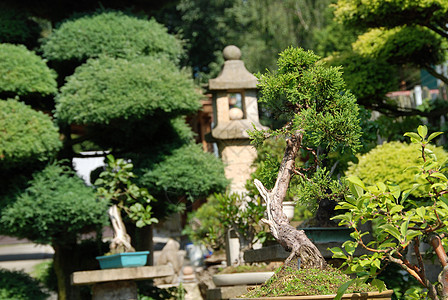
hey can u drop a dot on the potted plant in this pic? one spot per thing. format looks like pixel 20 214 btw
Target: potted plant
pixel 115 185
pixel 322 118
pixel 404 223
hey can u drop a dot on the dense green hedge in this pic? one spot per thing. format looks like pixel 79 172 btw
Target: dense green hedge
pixel 17 285
pixel 26 135
pixel 22 72
pixel 56 206
pixel 106 88
pixel 389 162
pixel 111 33
pixel 187 171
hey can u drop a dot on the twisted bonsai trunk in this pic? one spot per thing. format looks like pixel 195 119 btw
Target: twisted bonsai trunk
pixel 122 241
pixel 289 237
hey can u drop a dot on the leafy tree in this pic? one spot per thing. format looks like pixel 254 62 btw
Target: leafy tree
pixel 403 223
pixel 397 33
pixel 322 115
pixel 131 98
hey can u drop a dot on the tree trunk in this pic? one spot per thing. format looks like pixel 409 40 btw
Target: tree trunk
pixel 289 237
pixel 65 263
pixel 121 241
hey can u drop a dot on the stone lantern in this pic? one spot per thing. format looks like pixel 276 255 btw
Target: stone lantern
pixel 235 110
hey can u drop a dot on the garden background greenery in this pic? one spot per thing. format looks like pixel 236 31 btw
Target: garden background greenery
pixel 130 72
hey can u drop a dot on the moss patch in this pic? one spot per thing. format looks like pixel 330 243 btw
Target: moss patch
pixel 290 282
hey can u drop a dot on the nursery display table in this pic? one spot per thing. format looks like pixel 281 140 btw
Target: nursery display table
pixel 115 284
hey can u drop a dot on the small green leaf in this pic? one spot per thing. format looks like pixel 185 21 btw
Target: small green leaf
pixel 379 284
pixel 414 136
pixel 434 135
pixel 422 130
pixel 342 289
pixel 439 175
pixel 357 181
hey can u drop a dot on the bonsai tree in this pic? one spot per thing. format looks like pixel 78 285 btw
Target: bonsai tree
pixel 403 223
pixel 322 117
pixel 115 186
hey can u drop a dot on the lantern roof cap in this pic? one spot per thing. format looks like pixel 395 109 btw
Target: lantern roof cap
pixel 234 74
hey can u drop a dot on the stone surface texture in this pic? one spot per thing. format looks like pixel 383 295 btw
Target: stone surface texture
pixel 119 290
pixel 139 273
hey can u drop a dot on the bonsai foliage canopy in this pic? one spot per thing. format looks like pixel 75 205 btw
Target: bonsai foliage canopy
pixel 110 33
pixel 322 116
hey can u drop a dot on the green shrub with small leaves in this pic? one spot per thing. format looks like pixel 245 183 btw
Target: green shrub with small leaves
pixel 186 171
pixel 56 207
pixel 17 285
pixel 112 33
pixel 27 136
pixel 22 72
pixel 403 224
pixel 392 162
pixel 106 89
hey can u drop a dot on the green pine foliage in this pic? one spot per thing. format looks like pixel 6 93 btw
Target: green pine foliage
pixel 22 72
pixel 392 162
pixel 106 89
pixel 27 136
pixel 312 95
pixel 112 33
pixel 17 285
pixel 57 206
pixel 186 171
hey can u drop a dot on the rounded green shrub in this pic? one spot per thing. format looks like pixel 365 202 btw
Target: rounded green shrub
pixel 391 162
pixel 111 33
pixel 17 285
pixel 26 135
pixel 56 206
pixel 22 72
pixel 187 171
pixel 107 89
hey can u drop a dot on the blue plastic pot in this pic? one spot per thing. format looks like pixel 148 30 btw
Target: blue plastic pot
pixel 123 260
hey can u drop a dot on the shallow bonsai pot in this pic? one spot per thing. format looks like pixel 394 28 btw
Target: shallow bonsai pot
pixel 123 260
pixel 246 278
pixel 385 295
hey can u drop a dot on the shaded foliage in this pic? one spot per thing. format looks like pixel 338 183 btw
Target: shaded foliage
pixel 17 285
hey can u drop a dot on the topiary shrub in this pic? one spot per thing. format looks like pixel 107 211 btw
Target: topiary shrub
pixel 17 285
pixel 107 89
pixel 26 136
pixel 55 208
pixel 111 33
pixel 187 171
pixel 389 162
pixel 22 72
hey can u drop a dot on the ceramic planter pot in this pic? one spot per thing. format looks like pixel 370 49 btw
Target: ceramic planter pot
pixel 386 295
pixel 288 209
pixel 246 278
pixel 123 260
